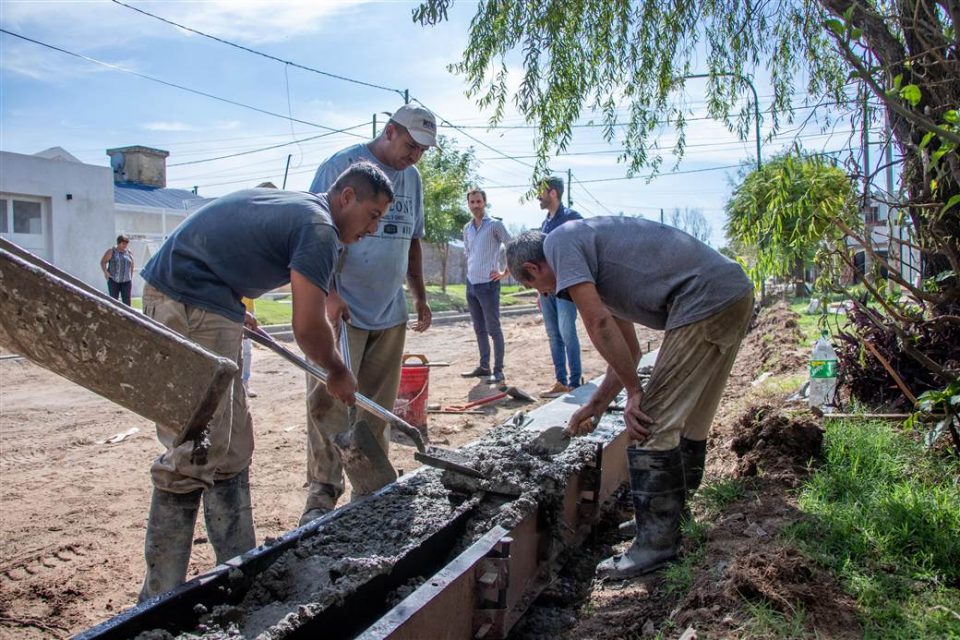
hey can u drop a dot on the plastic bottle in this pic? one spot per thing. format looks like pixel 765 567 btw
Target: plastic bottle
pixel 823 374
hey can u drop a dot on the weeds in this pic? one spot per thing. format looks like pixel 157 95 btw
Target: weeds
pixel 766 622
pixel 884 517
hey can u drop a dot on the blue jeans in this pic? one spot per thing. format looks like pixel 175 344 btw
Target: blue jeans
pixel 484 302
pixel 560 320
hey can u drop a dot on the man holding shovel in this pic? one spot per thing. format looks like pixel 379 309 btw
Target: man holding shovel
pixel 367 301
pixel 243 244
pixel 620 271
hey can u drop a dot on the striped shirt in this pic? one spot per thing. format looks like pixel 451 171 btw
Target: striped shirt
pixel 482 248
pixel 120 265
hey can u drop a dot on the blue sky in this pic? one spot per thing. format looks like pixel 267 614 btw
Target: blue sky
pixel 49 98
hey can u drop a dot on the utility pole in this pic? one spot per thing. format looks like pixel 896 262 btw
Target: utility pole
pixel 374 126
pixel 286 171
pixel 569 187
pixel 867 168
pixel 661 215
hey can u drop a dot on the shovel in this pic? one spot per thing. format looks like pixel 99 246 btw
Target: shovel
pixel 358 447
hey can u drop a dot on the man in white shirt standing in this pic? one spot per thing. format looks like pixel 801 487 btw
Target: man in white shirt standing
pixel 483 238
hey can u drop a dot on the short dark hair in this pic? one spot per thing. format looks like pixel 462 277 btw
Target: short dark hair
pixel 555 182
pixel 482 193
pixel 366 179
pixel 122 238
pixel 526 247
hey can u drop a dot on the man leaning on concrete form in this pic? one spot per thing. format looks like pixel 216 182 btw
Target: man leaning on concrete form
pixel 368 299
pixel 483 239
pixel 559 315
pixel 243 244
pixel 620 271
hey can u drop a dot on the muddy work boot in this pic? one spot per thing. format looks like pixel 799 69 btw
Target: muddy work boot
pixel 657 489
pixel 321 500
pixel 228 514
pixel 169 540
pixel 693 455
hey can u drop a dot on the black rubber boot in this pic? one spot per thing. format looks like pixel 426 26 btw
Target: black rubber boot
pixel 169 540
pixel 228 513
pixel 693 456
pixel 657 488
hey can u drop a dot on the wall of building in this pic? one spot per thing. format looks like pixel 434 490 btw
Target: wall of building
pixel 77 228
pixel 147 228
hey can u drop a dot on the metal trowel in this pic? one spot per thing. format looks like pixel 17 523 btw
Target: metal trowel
pixel 553 440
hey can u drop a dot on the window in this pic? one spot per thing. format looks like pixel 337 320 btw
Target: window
pixel 3 216
pixel 871 214
pixel 27 217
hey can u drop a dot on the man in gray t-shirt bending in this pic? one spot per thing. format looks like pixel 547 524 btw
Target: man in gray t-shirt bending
pixel 367 300
pixel 620 271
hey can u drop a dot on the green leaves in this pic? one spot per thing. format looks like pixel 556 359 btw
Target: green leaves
pixel 911 94
pixel 786 211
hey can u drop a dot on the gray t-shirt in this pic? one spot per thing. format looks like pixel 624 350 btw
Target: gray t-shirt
pixel 645 272
pixel 374 269
pixel 245 244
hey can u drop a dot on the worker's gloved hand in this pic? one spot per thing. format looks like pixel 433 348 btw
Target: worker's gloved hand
pixel 250 321
pixel 638 423
pixel 585 419
pixel 342 385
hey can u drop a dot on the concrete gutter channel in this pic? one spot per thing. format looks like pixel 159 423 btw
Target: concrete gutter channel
pixel 417 559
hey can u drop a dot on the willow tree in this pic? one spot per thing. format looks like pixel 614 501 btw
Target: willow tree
pixel 624 63
pixel 788 210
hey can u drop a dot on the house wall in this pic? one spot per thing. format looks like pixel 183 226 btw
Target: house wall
pixel 76 231
pixel 147 228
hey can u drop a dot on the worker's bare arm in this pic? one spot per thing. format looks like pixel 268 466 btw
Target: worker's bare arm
pixel 616 340
pixel 316 337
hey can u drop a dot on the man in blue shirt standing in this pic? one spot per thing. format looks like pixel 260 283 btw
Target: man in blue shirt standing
pixel 559 316
pixel 483 238
pixel 243 245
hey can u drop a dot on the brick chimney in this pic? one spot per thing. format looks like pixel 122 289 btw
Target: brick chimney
pixel 139 165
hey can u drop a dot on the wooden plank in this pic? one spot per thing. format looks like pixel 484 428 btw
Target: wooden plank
pixel 67 327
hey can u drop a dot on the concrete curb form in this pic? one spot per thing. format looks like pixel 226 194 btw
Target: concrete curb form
pixel 285 331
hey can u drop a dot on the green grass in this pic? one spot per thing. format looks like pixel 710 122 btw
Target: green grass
pixel 809 323
pixel 884 516
pixel 766 622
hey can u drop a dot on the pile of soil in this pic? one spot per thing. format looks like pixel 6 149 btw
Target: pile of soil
pixel 774 343
pixel 780 445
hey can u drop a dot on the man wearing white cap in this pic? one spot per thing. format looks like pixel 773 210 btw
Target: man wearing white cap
pixel 367 299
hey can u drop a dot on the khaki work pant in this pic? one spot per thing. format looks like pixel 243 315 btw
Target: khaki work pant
pixel 691 373
pixel 231 429
pixel 376 358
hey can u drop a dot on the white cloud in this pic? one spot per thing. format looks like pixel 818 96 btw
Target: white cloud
pixel 168 126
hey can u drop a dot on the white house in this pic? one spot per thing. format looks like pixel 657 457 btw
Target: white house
pixel 58 208
pixel 145 209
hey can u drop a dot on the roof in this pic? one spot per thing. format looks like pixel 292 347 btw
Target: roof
pixel 144 196
pixel 57 153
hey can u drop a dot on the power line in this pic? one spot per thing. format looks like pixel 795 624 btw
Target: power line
pixel 593 197
pixel 261 149
pixel 259 53
pixel 651 175
pixel 178 86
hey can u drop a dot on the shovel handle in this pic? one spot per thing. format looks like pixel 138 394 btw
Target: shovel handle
pixel 261 337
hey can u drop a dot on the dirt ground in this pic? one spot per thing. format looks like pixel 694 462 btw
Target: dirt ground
pixel 74 493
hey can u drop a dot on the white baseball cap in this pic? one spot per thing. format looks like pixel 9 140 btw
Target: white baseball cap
pixel 419 122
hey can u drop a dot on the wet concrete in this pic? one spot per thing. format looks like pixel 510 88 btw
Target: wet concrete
pixel 322 571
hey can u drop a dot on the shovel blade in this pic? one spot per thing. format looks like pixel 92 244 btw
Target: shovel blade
pixel 363 459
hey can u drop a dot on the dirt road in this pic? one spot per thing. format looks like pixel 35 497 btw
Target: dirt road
pixel 73 505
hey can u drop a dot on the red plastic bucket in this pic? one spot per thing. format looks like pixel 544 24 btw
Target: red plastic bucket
pixel 411 404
